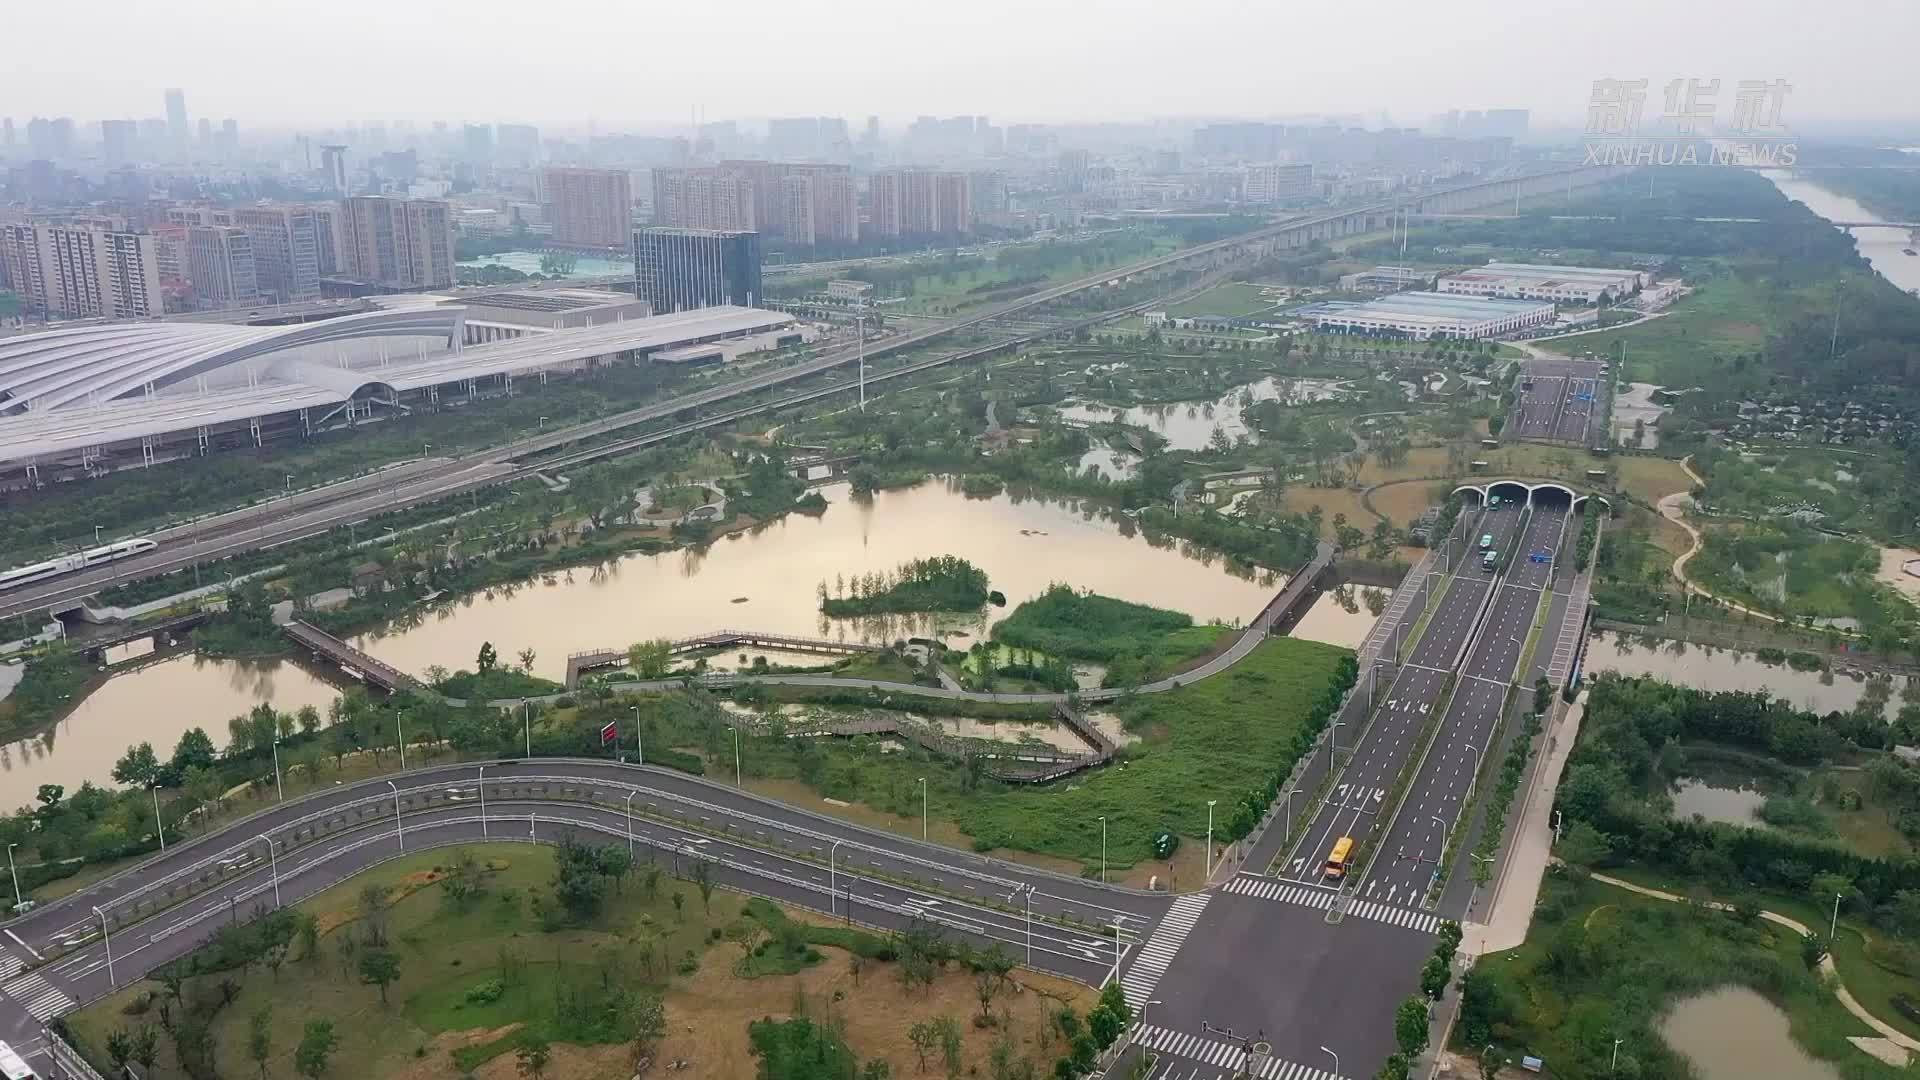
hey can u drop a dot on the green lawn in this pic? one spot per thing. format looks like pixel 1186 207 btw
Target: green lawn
pixel 1211 740
pixel 1698 337
pixel 1232 299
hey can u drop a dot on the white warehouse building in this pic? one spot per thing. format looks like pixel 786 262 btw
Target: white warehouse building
pixel 1558 284
pixel 1425 316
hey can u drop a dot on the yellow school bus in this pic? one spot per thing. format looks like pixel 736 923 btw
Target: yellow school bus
pixel 1337 862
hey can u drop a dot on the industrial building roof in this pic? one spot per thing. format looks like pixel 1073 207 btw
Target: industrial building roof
pixel 1440 307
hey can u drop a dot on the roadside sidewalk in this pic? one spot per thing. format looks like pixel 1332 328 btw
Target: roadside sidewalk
pixel 1529 850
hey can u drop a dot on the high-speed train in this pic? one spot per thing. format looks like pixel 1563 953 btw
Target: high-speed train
pixel 67 564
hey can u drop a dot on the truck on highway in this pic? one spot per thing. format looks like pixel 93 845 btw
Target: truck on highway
pixel 1488 560
pixel 1337 861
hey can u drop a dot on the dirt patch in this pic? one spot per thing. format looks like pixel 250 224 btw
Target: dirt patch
pixel 398 891
pixel 707 1017
pixel 434 1065
pixel 1893 562
pixel 1404 501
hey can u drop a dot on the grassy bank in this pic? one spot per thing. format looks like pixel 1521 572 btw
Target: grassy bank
pixel 1602 964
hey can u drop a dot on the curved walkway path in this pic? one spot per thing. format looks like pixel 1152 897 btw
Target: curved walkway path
pixel 1673 507
pixel 1847 1000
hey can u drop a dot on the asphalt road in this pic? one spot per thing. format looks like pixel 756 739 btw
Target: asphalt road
pixel 1410 855
pixel 1557 400
pixel 1356 805
pixel 165 907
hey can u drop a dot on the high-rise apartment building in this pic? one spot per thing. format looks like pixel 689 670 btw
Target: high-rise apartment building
pixel 589 207
pixel 117 139
pixel 286 251
pixel 220 264
pixel 806 203
pixel 330 237
pixel 517 144
pixel 1278 183
pixel 83 273
pixel 684 269
pixel 920 203
pixel 400 243
pixel 479 140
pixel 50 139
pixel 177 118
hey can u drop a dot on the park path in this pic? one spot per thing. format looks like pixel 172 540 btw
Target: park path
pixel 1673 507
pixel 1847 1000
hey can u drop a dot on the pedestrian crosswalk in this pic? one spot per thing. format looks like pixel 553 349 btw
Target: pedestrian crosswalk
pixel 10 965
pixel 1275 890
pixel 1322 899
pixel 40 997
pixel 1223 1055
pixel 1396 916
pixel 1157 953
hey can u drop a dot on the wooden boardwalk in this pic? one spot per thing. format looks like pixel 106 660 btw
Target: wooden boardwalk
pixel 582 662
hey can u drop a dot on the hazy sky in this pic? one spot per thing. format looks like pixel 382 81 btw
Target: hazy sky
pixel 644 64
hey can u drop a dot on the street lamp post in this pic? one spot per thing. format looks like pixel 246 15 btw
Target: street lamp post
pixel 923 809
pixel 736 756
pixel 1474 776
pixel 273 862
pixel 1336 1060
pixel 399 827
pixel 1286 838
pixel 279 792
pixel 481 786
pixel 833 880
pixel 1030 889
pixel 96 536
pixel 1103 849
pixel 1615 1060
pixel 526 718
pixel 1209 876
pixel 1333 737
pixel 639 751
pixel 159 827
pixel 16 875
pixel 400 735
pixel 630 796
pixel 106 937
pixel 1833 926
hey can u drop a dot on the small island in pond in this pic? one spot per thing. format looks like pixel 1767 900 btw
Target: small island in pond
pixel 942 583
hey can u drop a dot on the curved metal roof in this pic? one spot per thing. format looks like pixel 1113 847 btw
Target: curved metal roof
pixel 96 364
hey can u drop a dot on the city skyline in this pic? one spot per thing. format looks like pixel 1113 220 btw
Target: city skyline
pixel 1014 62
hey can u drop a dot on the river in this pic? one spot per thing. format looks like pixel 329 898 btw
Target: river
pixel 156 703
pixel 767 579
pixel 1884 248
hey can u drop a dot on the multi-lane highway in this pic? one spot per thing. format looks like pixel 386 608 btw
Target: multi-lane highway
pixel 1557 399
pixel 1410 855
pixel 166 906
pixel 1357 806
